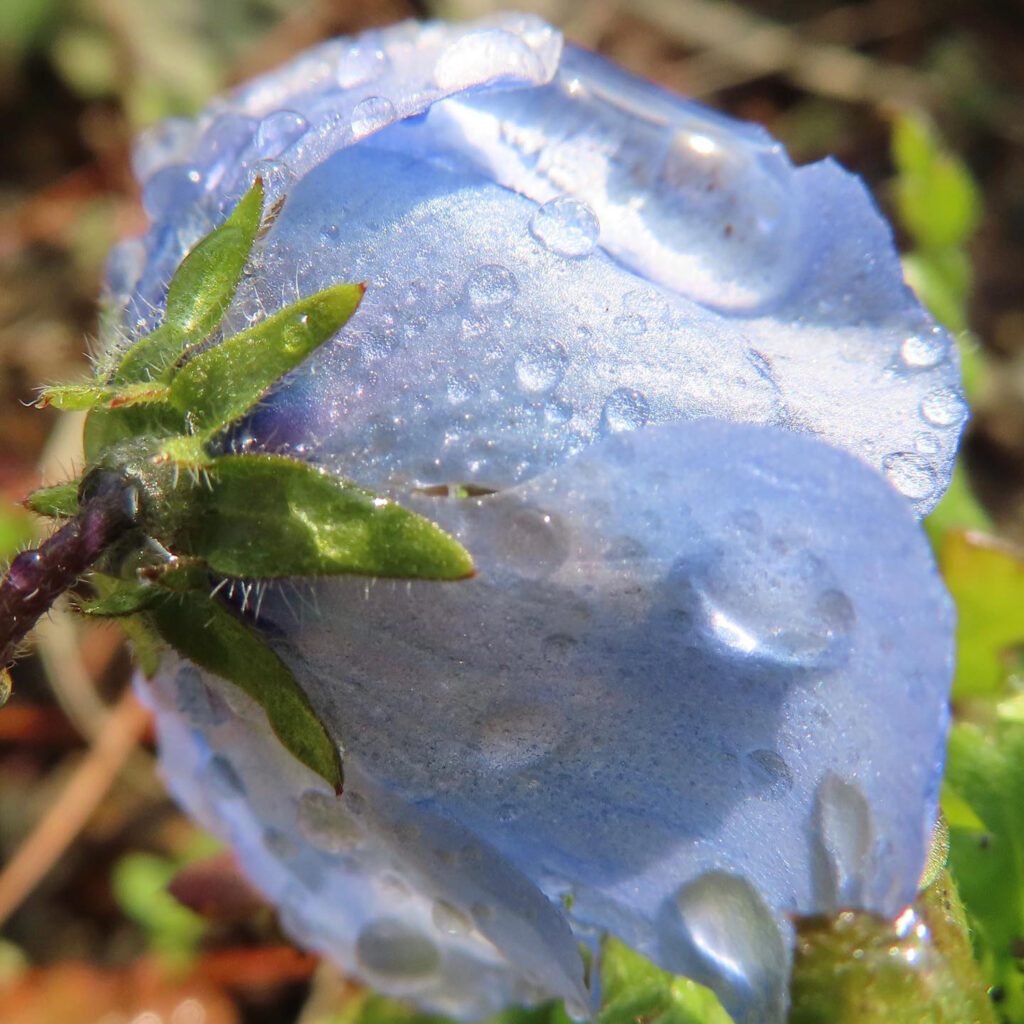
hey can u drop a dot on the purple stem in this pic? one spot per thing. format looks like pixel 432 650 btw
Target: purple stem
pixel 38 576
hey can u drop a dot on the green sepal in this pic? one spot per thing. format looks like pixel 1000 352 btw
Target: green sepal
pixel 203 630
pixel 219 384
pixel 121 598
pixel 71 397
pixel 58 502
pixel 106 427
pixel 199 293
pixel 269 516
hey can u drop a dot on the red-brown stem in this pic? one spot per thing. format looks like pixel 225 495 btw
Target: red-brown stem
pixel 37 577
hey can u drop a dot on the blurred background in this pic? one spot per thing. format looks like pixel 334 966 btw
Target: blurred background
pixel 924 98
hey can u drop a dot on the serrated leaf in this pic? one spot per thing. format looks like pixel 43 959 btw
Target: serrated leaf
pixel 203 630
pixel 987 581
pixel 269 516
pixel 219 384
pixel 200 291
pixel 986 768
pixel 57 502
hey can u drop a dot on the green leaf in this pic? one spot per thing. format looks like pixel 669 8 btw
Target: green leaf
pixel 199 293
pixel 633 989
pixel 268 516
pixel 57 502
pixel 218 385
pixel 105 428
pixel 938 201
pixel 15 528
pixel 986 767
pixel 139 883
pixel 941 279
pixel 959 509
pixel 987 581
pixel 203 630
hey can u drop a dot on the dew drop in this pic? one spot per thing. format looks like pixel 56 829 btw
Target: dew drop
pixel 566 226
pixel 372 114
pixel 842 835
pixel 486 56
pixel 910 474
pixel 719 931
pixel 944 407
pixel 360 65
pixel 222 778
pixel 391 949
pixel 921 351
pixel 630 325
pixel 280 845
pixel 277 131
pixel 490 285
pixel 530 540
pixel 624 409
pixel 325 824
pixel 540 366
pixel 772 775
pixel 519 736
pixel 449 920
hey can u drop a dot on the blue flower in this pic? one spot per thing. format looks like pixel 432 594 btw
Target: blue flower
pixel 673 395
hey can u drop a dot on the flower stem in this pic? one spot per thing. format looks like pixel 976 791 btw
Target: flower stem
pixel 38 576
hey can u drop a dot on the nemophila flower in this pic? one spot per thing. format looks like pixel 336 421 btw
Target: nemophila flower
pixel 673 396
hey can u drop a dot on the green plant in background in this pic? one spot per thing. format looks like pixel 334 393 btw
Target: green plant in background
pixel 940 208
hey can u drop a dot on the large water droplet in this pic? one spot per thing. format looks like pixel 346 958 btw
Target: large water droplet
pixel 372 114
pixel 540 366
pixel 910 474
pixel 719 931
pixel 396 952
pixel 530 540
pixel 490 285
pixel 325 824
pixel 486 56
pixel 566 226
pixel 624 409
pixel 842 837
pixel 944 407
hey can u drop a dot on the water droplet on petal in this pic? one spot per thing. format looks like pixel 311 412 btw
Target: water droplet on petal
pixel 624 409
pixel 394 951
pixel 921 351
pixel 944 407
pixel 372 114
pixel 490 55
pixel 719 931
pixel 223 779
pixel 540 366
pixel 566 226
pixel 772 775
pixel 910 474
pixel 531 540
pixel 842 835
pixel 325 824
pixel 491 285
pixel 449 920
pixel 632 325
pixel 277 131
